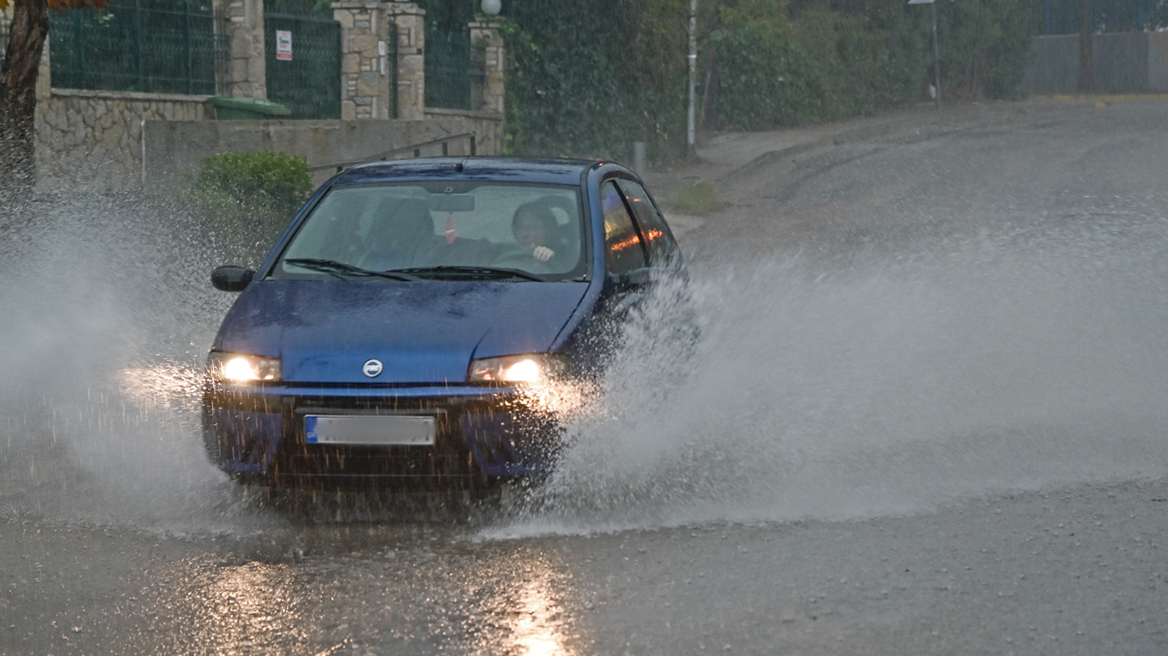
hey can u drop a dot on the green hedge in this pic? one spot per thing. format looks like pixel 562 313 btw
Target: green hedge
pixel 589 77
pixel 246 199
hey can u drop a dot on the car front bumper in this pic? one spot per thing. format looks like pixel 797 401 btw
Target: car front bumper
pixel 493 432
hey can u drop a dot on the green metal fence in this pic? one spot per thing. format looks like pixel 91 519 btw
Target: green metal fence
pixel 310 82
pixel 448 67
pixel 158 46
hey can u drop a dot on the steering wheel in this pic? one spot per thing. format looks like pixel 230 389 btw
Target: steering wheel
pixel 516 257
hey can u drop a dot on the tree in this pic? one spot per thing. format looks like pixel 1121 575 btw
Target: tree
pixel 26 41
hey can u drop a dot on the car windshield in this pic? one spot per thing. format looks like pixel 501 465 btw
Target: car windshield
pixel 444 230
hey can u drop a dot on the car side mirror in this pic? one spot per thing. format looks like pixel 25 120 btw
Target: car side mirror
pixel 231 278
pixel 629 280
pixel 639 277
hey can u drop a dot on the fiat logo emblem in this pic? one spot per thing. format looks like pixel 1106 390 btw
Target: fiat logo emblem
pixel 372 368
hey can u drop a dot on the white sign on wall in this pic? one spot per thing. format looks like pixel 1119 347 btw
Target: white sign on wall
pixel 283 45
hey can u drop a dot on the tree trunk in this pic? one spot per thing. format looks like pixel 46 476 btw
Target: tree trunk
pixel 18 76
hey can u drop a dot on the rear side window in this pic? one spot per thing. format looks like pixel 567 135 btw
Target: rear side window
pixel 624 250
pixel 655 231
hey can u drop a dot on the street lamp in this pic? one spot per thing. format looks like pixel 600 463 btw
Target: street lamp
pixel 491 7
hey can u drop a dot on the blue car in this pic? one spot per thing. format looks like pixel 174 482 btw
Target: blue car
pixel 418 321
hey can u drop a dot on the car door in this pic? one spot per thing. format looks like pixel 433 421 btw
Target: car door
pixel 664 253
pixel 626 257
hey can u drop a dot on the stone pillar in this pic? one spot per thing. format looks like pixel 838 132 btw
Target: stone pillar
pixel 365 57
pixel 487 95
pixel 247 75
pixel 410 20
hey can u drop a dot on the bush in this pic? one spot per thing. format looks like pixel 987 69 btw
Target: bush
pixel 606 73
pixel 813 64
pixel 602 75
pixel 246 199
pixel 985 46
pixel 764 79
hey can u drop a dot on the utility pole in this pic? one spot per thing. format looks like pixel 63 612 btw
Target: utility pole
pixel 1086 50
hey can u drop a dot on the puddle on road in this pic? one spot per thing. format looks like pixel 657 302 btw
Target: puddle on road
pixel 972 367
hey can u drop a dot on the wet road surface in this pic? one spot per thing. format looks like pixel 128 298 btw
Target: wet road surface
pixel 928 419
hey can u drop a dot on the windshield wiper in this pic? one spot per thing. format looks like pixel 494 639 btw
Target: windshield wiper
pixel 472 272
pixel 339 268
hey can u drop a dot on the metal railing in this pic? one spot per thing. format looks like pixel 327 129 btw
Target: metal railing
pixel 413 150
pixel 451 68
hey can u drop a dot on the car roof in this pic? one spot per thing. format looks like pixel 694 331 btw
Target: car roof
pixel 512 169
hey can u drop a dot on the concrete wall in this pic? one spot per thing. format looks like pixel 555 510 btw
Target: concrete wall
pixel 1131 62
pixel 176 147
pixel 1158 61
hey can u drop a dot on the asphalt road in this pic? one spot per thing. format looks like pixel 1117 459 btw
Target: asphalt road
pixel 926 417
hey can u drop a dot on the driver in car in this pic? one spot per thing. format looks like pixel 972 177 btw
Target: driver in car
pixel 533 226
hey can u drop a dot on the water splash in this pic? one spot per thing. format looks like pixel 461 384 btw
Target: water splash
pixel 108 315
pixel 973 366
pixel 887 381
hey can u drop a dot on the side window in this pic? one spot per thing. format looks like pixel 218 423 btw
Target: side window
pixel 624 251
pixel 653 227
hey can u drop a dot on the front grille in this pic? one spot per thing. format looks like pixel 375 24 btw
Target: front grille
pixel 447 460
pixel 477 438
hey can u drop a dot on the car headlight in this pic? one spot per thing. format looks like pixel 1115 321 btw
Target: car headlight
pixel 530 368
pixel 242 368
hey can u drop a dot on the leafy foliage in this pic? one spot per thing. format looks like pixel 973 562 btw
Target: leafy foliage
pixel 812 63
pixel 984 46
pixel 600 74
pixel 249 196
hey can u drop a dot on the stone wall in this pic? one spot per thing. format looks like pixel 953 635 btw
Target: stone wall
pixel 364 68
pixel 410 22
pixel 487 96
pixel 93 139
pixel 115 141
pixel 247 70
pixel 110 141
pixel 367 65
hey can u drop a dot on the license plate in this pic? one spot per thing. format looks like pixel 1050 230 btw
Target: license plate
pixel 370 430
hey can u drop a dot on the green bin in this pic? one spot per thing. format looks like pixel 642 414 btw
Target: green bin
pixel 246 109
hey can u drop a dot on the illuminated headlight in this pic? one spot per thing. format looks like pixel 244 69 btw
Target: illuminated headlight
pixel 532 368
pixel 242 368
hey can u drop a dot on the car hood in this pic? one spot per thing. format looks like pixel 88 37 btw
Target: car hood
pixel 422 332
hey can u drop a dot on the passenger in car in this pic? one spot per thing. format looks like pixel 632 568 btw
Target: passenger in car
pixel 406 238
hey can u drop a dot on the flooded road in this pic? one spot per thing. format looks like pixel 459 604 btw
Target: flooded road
pixel 926 416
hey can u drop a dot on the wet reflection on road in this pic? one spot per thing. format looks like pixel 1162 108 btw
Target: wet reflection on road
pixel 534 619
pixel 369 589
